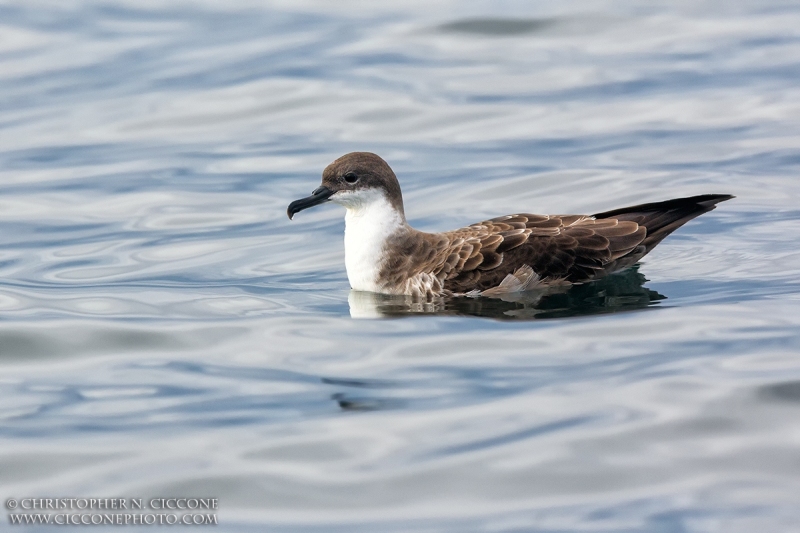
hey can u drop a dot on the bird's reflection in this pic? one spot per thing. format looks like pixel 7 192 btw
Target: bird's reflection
pixel 622 291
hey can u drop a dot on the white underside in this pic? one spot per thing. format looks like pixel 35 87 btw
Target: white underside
pixel 369 222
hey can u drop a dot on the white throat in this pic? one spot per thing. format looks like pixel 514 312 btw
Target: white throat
pixel 369 222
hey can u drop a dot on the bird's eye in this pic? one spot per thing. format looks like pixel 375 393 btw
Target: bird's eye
pixel 350 177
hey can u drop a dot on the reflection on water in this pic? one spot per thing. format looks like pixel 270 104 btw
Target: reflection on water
pixel 498 26
pixel 621 291
pixel 787 391
pixel 354 403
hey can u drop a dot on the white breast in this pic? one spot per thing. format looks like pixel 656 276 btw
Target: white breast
pixel 369 222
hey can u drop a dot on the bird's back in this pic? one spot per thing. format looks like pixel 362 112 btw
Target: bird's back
pixel 515 249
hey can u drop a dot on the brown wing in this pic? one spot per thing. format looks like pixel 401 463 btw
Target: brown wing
pixel 574 248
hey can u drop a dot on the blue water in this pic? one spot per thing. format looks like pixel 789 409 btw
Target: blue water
pixel 165 330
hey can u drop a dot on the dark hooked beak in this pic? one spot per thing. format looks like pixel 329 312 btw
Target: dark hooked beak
pixel 319 196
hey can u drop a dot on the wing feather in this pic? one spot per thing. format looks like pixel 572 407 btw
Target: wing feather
pixel 573 248
pixel 544 248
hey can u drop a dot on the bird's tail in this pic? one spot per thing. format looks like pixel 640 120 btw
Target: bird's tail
pixel 662 218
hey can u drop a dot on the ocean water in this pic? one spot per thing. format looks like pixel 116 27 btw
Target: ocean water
pixel 165 330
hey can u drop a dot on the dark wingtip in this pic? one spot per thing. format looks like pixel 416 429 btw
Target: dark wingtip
pixel 712 199
pixel 705 203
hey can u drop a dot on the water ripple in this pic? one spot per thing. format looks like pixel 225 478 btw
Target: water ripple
pixel 164 329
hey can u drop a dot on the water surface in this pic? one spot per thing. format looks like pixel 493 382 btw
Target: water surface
pixel 165 330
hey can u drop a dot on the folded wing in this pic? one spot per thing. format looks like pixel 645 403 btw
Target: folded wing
pixel 568 248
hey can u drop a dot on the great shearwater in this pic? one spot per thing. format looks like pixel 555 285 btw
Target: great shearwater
pixel 512 253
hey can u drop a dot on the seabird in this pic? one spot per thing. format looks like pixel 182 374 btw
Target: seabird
pixel 512 253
